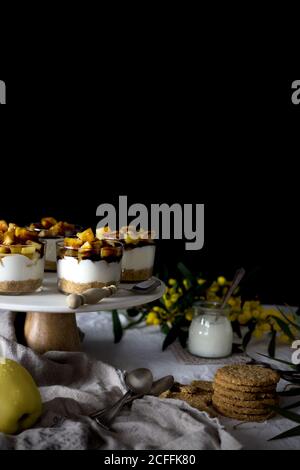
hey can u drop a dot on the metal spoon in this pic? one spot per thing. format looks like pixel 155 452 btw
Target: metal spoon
pixel 139 382
pixel 158 387
pixel 236 280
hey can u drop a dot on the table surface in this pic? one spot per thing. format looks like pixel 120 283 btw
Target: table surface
pixel 141 347
pixel 50 300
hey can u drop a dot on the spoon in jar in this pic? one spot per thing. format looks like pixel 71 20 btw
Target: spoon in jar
pixel 240 273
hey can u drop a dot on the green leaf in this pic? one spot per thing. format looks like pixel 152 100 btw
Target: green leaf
pixel 248 335
pixel 286 414
pixel 185 271
pixel 173 333
pixel 272 344
pixel 183 336
pixel 236 328
pixel 285 328
pixel 237 348
pixel 165 328
pixel 291 433
pixel 247 339
pixel 295 325
pixel 279 360
pixel 117 326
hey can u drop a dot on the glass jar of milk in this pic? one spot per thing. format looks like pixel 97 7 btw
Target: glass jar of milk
pixel 210 333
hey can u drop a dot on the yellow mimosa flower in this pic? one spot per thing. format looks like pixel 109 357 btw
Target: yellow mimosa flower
pixel 221 281
pixel 189 314
pixel 152 319
pixel 174 298
pixel 186 284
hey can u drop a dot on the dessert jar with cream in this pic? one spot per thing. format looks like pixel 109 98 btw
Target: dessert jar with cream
pixel 210 333
pixel 85 262
pixel 139 252
pixel 50 230
pixel 22 261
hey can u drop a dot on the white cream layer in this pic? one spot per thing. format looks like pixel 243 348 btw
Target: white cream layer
pixel 139 258
pixel 86 271
pixel 20 268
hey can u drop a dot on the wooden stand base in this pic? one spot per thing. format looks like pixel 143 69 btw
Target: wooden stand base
pixel 51 332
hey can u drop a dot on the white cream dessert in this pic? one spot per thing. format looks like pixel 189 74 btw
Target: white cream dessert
pixel 139 252
pixel 86 262
pixel 22 260
pixel 50 230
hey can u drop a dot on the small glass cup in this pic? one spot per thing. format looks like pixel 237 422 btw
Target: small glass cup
pixel 210 333
pixel 44 234
pixel 22 268
pixel 79 269
pixel 139 252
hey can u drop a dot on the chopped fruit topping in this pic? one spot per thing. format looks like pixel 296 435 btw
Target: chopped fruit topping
pixel 48 222
pixel 9 238
pixel 129 234
pixel 86 246
pixel 73 243
pixel 49 227
pixel 12 227
pixel 3 226
pixel 87 235
pixel 13 240
pixel 107 251
pixel 28 250
pixel 102 232
pixel 36 245
pixel 131 237
pixel 15 249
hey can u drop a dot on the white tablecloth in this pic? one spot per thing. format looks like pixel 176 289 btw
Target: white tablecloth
pixel 141 347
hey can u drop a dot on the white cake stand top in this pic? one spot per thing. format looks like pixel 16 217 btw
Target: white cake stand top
pixel 50 300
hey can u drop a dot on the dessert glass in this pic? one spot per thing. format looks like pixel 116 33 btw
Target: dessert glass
pixel 139 252
pixel 79 269
pixel 21 268
pixel 44 234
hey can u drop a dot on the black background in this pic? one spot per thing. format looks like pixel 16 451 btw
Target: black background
pixel 73 139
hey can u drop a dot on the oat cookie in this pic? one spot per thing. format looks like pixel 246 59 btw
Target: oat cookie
pixel 199 397
pixel 244 388
pixel 248 375
pixel 256 404
pixel 238 395
pixel 201 385
pixel 232 408
pixel 242 417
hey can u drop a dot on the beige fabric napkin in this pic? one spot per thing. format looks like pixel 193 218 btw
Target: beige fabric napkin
pixel 73 385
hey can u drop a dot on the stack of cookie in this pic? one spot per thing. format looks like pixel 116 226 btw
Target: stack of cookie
pixel 245 392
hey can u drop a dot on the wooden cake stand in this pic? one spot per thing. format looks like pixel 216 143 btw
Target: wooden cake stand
pixel 50 325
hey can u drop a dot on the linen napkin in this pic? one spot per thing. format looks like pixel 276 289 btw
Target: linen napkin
pixel 73 385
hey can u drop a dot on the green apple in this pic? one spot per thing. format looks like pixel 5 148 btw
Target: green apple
pixel 20 399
